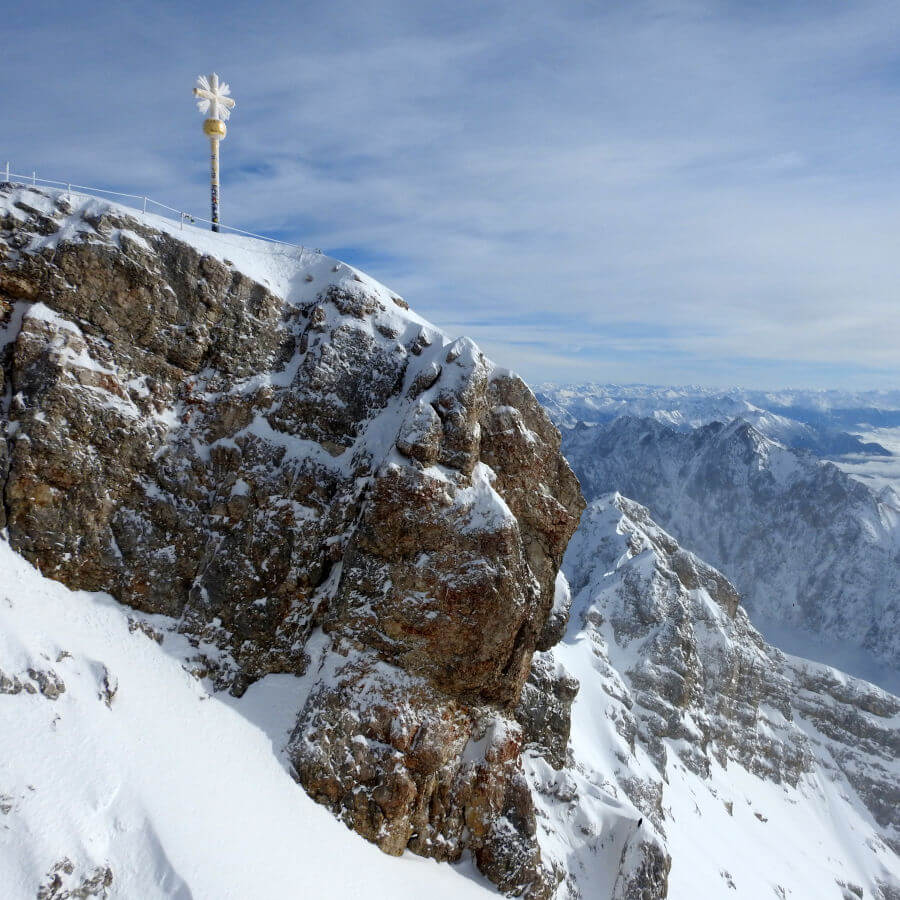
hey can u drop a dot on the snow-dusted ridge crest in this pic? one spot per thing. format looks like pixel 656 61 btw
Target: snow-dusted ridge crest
pixel 761 774
pixel 284 270
pixel 272 450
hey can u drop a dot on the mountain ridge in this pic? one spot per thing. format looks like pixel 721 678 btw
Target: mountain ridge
pixel 352 531
pixel 712 733
pixel 269 447
pixel 760 512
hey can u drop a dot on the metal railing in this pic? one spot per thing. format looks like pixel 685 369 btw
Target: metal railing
pixel 146 204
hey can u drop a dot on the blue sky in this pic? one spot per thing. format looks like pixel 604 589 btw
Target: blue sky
pixel 667 192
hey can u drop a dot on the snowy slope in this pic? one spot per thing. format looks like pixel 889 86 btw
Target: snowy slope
pixel 177 791
pixel 744 760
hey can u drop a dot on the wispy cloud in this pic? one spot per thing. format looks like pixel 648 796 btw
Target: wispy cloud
pixel 690 191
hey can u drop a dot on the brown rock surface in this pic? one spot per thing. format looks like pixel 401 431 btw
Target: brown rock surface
pixel 272 462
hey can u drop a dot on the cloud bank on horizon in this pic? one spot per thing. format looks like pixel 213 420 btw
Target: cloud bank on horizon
pixel 667 192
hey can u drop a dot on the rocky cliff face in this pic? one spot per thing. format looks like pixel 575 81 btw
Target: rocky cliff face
pixel 273 450
pixel 808 546
pixel 755 773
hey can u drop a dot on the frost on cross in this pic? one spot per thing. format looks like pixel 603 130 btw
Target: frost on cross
pixel 214 102
pixel 214 99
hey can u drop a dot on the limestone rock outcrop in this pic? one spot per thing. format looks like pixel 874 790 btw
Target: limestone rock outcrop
pixel 267 445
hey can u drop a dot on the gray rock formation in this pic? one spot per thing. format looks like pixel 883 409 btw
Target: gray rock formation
pixel 808 547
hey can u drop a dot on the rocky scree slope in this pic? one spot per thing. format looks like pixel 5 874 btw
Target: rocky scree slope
pixel 269 446
pixel 807 545
pixel 755 773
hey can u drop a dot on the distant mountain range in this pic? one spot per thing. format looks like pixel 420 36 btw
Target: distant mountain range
pixel 803 420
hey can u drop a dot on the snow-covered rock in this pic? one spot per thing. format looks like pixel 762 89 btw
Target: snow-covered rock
pixel 124 774
pixel 266 445
pixel 755 773
pixel 807 546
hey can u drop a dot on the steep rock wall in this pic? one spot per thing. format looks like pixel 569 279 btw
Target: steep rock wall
pixel 286 454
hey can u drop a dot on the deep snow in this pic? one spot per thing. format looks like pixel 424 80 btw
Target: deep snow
pixel 182 793
pixel 734 834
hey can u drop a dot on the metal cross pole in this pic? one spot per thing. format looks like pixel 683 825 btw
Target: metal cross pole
pixel 214 129
pixel 215 102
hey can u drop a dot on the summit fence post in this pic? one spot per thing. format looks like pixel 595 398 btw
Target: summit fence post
pixel 7 170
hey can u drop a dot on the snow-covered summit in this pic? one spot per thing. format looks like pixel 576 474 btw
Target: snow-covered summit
pixel 295 274
pixel 269 449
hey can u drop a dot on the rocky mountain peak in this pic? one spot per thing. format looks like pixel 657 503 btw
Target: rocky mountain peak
pixel 698 744
pixel 269 447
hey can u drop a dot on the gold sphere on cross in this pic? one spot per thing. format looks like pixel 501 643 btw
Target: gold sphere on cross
pixel 214 128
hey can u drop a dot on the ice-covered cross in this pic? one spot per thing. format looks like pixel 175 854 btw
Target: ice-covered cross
pixel 213 97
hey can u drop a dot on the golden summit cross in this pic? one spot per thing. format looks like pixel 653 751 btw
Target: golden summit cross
pixel 214 100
